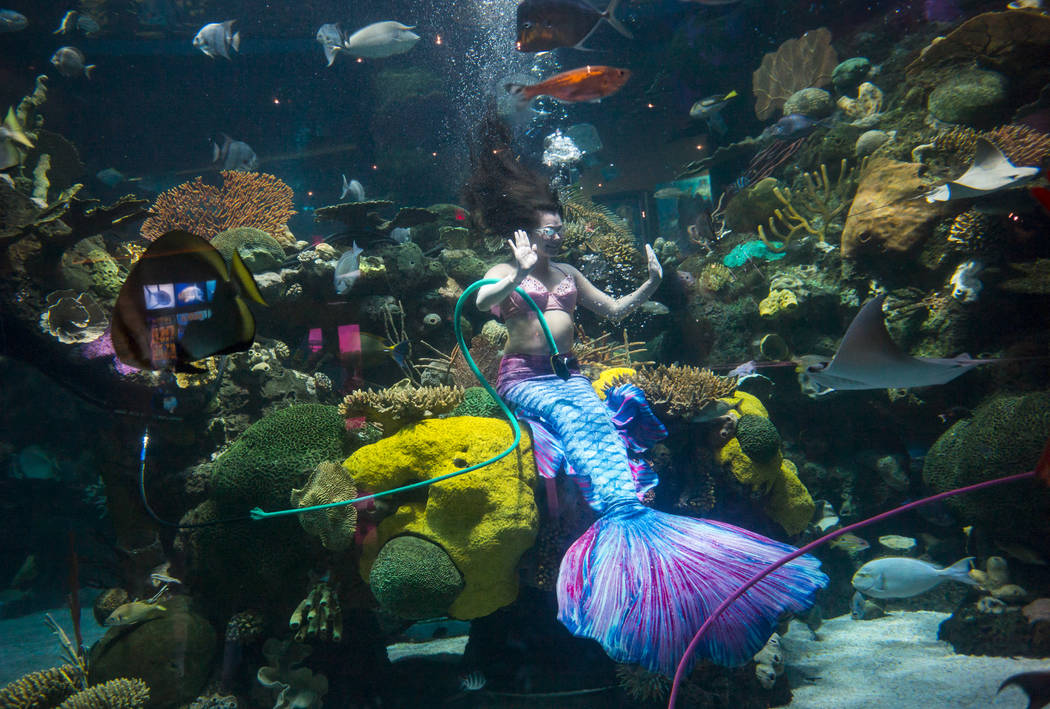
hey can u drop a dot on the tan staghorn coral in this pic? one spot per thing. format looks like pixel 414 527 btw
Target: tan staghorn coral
pixel 115 694
pixel 798 64
pixel 246 199
pixel 39 690
pixel 329 482
pixel 820 202
pixel 680 391
pixel 396 407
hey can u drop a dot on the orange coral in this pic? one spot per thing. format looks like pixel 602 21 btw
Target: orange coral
pixel 246 199
pixel 798 64
pixel 1022 145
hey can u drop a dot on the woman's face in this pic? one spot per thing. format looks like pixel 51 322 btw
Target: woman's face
pixel 548 237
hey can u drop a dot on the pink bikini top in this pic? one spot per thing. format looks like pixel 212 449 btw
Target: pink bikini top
pixel 563 297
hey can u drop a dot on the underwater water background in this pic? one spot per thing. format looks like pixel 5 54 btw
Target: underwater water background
pixel 787 162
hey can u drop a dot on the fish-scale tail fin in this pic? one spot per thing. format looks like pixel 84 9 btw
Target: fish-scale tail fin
pixel 641 582
pixel 960 571
pixel 610 16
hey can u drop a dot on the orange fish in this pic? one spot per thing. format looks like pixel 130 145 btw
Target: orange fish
pixel 587 83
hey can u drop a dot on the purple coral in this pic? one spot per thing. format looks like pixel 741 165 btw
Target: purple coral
pixel 103 347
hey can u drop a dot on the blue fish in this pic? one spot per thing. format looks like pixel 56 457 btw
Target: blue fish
pixel 792 127
pixel 11 21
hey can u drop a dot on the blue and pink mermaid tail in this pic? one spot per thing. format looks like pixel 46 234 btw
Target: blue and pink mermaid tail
pixel 640 581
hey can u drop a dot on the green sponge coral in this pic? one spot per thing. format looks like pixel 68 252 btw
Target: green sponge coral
pixel 478 402
pixel 759 438
pixel 414 578
pixel 276 454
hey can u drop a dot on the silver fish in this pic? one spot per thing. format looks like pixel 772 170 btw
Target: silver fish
pixel 234 155
pixel 331 39
pixel 354 189
pixel 346 270
pixel 87 25
pixel 904 577
pixel 70 62
pixel 216 38
pixel 11 21
pixel 381 39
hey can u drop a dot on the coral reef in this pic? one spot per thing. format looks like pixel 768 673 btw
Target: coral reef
pixel 821 201
pixel 260 251
pixel 296 687
pixel 484 520
pixel 39 690
pixel 73 317
pixel 787 501
pixel 1003 436
pixel 478 402
pixel 245 199
pixel 121 693
pixel 328 483
pixel 245 627
pixel 107 602
pixel 1022 145
pixel 866 106
pixel 680 391
pixel 397 407
pixel 800 63
pixel 414 578
pixel 641 685
pixel 778 303
pixel 759 438
pixel 319 615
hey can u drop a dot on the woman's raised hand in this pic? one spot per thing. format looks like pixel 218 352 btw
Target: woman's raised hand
pixel 656 271
pixel 523 250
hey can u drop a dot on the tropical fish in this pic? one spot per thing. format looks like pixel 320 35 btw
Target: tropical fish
pixel 346 269
pixel 110 176
pixel 792 127
pixel 70 62
pixel 868 359
pixel 472 682
pixel 375 349
pixel 87 25
pixel 216 38
pixel 331 39
pixel 11 21
pixel 1036 685
pixel 544 25
pixel 710 109
pixel 671 193
pixel 153 329
pixel 850 543
pixel 234 155
pixel 68 23
pixel 904 577
pixel 991 171
pixel 160 575
pixel 354 189
pixel 381 39
pixel 586 83
pixel 134 612
pixel 10 133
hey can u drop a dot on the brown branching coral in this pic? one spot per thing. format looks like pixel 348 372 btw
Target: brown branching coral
pixel 329 482
pixel 597 354
pixel 318 616
pixel 39 690
pixel 399 406
pixel 681 391
pixel 593 228
pixel 1021 145
pixel 798 64
pixel 115 694
pixel 246 199
pixel 820 201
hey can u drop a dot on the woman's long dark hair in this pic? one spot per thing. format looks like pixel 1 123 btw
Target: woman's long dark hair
pixel 502 193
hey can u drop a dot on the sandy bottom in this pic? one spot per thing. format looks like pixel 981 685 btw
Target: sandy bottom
pixel 894 662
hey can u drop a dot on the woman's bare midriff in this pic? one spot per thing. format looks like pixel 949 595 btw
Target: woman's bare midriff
pixel 526 334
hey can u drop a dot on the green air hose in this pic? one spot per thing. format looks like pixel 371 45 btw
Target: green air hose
pixel 257 513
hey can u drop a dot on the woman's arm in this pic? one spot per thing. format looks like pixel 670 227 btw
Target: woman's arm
pixel 511 275
pixel 615 309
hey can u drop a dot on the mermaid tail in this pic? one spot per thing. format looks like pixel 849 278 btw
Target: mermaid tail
pixel 641 582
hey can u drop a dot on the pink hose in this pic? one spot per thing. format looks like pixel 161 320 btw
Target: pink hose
pixel 685 661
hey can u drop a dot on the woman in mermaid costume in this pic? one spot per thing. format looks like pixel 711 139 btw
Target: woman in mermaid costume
pixel 639 581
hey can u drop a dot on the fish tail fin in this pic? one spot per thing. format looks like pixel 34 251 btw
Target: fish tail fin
pixel 400 352
pixel 731 94
pixel 641 582
pixel 717 124
pixel 236 41
pixel 960 571
pixel 88 69
pixel 244 279
pixel 519 94
pixel 610 16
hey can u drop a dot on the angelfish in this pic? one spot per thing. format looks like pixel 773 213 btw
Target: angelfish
pixel 331 39
pixel 354 189
pixel 216 38
pixel 904 577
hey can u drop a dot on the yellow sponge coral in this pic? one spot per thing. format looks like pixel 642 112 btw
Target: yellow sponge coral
pixel 608 378
pixel 484 520
pixel 788 501
pixel 777 303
